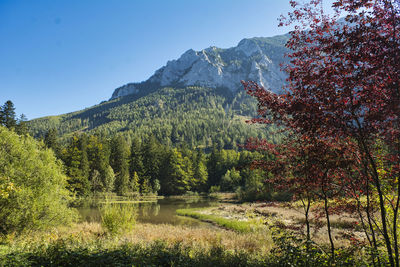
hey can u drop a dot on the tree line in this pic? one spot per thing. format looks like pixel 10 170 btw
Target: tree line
pixel 127 166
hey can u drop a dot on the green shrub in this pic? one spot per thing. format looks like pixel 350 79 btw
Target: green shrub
pixel 231 180
pixel 254 187
pixel 33 192
pixel 118 218
pixel 215 189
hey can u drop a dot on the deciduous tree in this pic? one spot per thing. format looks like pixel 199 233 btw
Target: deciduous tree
pixel 343 86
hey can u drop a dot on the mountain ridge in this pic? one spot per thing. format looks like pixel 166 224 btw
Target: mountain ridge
pixel 256 58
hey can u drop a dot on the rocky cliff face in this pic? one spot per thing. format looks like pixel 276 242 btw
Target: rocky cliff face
pixel 256 59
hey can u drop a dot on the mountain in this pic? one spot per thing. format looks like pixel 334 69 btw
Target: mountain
pixel 256 59
pixel 195 100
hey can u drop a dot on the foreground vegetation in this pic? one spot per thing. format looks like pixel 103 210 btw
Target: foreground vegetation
pixel 146 244
pixel 163 245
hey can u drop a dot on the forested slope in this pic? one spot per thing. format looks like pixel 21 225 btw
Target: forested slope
pixel 196 116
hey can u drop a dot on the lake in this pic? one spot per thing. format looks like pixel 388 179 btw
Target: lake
pixel 156 211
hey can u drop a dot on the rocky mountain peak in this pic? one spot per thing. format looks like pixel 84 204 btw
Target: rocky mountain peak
pixel 248 47
pixel 255 59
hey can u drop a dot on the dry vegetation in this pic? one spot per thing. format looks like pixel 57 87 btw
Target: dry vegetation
pixel 290 216
pixel 203 237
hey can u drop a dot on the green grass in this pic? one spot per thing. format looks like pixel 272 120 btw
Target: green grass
pixel 239 226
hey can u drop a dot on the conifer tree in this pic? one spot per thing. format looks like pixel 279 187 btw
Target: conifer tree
pixel 212 167
pixel 96 182
pixel 98 155
pixel 77 167
pixel 151 158
pixel 156 186
pixel 109 179
pixel 136 158
pixel 22 128
pixel 8 116
pixel 145 187
pixel 176 179
pixel 84 165
pixel 50 140
pixel 1 116
pixel 119 162
pixel 134 183
pixel 200 175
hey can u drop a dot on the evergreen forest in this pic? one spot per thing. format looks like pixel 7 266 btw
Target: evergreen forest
pixel 196 117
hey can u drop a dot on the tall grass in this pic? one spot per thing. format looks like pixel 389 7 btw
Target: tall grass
pixel 118 218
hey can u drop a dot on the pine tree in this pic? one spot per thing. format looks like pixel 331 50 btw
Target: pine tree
pixel 98 156
pixel 22 128
pixel 50 140
pixel 136 158
pixel 151 158
pixel 96 182
pixel 84 164
pixel 156 186
pixel 120 164
pixel 200 172
pixel 212 167
pixel 8 116
pixel 134 183
pixel 176 179
pixel 77 167
pixel 1 116
pixel 109 179
pixel 145 187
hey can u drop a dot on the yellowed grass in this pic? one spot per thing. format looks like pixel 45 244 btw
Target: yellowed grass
pixel 201 237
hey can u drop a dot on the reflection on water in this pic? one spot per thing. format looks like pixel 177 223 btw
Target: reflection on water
pixel 157 212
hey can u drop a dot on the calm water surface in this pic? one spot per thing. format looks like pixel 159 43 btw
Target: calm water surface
pixel 158 212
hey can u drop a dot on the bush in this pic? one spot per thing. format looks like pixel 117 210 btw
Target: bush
pixel 215 189
pixel 231 180
pixel 118 218
pixel 33 192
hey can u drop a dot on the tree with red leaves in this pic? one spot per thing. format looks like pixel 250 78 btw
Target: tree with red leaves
pixel 310 168
pixel 343 86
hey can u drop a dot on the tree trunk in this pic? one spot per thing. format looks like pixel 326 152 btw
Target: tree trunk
pixel 328 224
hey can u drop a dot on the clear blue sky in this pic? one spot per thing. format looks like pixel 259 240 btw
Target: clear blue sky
pixel 59 56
